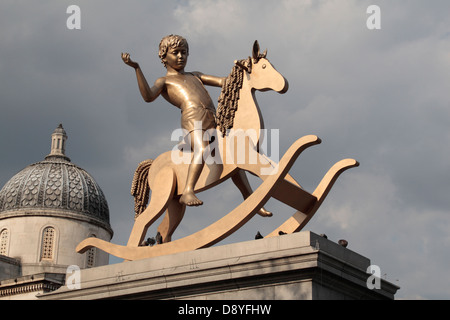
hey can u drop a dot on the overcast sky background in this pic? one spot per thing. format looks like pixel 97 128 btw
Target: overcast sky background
pixel 379 96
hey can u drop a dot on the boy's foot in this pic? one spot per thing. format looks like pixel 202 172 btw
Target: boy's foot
pixel 264 213
pixel 190 199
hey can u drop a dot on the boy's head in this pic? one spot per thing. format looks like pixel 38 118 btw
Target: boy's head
pixel 171 41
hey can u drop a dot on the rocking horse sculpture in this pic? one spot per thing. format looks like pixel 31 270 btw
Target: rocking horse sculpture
pixel 237 114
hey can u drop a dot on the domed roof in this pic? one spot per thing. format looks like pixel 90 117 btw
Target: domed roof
pixel 55 186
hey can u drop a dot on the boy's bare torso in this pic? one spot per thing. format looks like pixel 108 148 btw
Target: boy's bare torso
pixel 186 91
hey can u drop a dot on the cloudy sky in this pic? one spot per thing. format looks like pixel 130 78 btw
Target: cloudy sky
pixel 379 96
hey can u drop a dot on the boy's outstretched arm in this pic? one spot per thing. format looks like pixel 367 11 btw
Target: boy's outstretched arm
pixel 211 80
pixel 148 94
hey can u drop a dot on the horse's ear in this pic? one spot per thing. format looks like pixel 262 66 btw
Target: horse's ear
pixel 256 50
pixel 264 54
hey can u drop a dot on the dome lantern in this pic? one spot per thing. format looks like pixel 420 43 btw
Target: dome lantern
pixel 58 145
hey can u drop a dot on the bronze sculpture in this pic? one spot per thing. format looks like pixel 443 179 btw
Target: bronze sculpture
pixel 186 91
pixel 169 182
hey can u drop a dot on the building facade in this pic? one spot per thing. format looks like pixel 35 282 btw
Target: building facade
pixel 45 211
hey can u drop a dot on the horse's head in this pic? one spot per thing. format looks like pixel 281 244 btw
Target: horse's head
pixel 261 73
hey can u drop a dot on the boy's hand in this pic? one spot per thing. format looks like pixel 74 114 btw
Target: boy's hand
pixel 128 61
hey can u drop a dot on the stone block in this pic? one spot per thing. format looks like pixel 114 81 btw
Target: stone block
pixel 299 266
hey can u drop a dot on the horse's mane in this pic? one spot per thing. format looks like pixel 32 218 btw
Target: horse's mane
pixel 228 99
pixel 140 189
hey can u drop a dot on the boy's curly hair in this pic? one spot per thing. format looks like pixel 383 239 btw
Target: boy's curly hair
pixel 171 41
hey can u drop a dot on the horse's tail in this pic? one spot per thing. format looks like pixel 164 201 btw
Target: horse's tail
pixel 140 188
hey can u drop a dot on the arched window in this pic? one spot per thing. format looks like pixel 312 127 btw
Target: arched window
pixel 4 242
pixel 48 244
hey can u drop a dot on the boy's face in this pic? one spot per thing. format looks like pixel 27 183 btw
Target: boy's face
pixel 176 58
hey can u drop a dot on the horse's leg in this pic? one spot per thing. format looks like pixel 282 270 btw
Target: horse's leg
pixel 288 176
pixel 241 181
pixel 174 215
pixel 164 183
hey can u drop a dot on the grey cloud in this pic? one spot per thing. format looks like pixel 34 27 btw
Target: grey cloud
pixel 379 96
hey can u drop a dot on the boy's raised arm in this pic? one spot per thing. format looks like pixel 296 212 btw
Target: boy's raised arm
pixel 148 94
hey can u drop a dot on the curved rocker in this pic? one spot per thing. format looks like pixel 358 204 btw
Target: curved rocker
pixel 300 219
pixel 216 231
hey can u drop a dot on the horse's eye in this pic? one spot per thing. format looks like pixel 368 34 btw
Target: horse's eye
pixel 263 66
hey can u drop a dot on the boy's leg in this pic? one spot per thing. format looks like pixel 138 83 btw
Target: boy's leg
pixel 198 146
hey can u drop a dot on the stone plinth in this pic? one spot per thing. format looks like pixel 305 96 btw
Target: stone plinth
pixel 297 266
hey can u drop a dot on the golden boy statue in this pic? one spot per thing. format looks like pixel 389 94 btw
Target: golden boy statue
pixel 186 91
